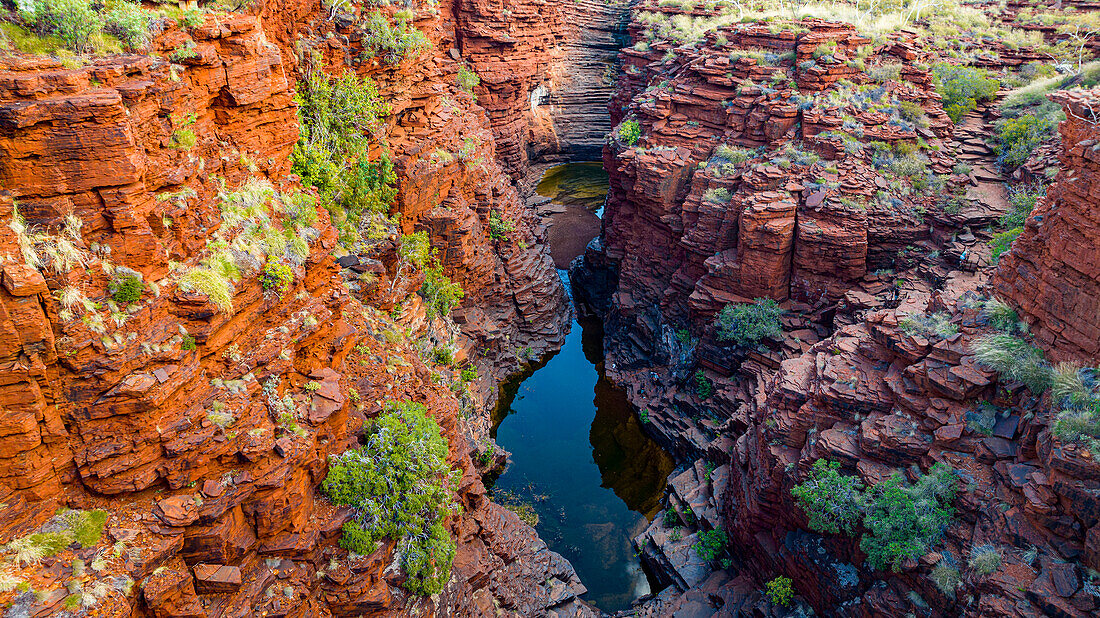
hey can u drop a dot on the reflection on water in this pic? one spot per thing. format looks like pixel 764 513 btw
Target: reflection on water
pixel 579 454
pixel 576 184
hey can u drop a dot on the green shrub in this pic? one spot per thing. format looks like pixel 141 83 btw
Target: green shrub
pixel 73 21
pixel 1014 359
pixel 399 484
pixel 443 356
pixel 442 294
pixel 962 87
pixel 188 343
pixel 276 277
pixel 831 500
pixel 1002 242
pixel 467 79
pixel 1023 200
pixel 339 118
pixel 469 374
pixel 937 325
pixel 905 521
pixel 126 290
pixel 499 227
pixel 749 323
pixel 704 388
pixel 720 195
pixel 711 543
pixel 393 43
pixel 779 591
pixel 629 132
pixel 127 22
pixel 183 139
pixel 1018 137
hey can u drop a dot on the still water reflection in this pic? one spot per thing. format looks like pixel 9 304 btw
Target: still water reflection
pixel 579 454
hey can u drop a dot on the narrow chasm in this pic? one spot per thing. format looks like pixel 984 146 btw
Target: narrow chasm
pixel 582 470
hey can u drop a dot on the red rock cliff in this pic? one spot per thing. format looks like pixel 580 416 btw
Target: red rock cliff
pixel 1052 273
pixel 204 432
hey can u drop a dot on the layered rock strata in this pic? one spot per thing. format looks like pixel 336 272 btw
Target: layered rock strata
pixel 204 431
pixel 1051 274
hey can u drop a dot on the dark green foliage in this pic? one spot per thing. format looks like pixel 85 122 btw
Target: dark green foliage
pixel 276 277
pixel 1018 137
pixel 127 290
pixel 901 521
pixel 831 500
pixel 711 544
pixel 469 374
pixel 779 591
pixel 905 521
pixel 339 119
pixel 749 323
pixel 399 486
pixel 704 388
pixel 629 132
pixel 962 88
pixel 188 343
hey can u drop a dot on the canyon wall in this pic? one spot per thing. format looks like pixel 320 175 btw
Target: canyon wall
pixel 204 430
pixel 753 173
pixel 1051 274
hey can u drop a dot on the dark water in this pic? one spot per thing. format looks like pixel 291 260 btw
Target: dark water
pixel 579 455
pixel 576 184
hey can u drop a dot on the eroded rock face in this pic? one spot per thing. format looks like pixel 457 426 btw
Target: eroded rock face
pixel 205 432
pixel 806 206
pixel 1051 274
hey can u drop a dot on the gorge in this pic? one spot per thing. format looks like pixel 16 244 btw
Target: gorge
pixel 536 308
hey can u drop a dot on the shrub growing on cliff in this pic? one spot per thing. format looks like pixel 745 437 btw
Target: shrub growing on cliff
pixel 126 290
pixel 392 42
pixel 711 543
pixel 276 277
pixel 467 79
pixel 749 323
pixel 1018 137
pixel 1002 242
pixel 399 485
pixel 904 521
pixel 831 500
pixel 339 119
pixel 779 591
pixel 629 132
pixel 962 88
pixel 984 559
pixel 441 293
